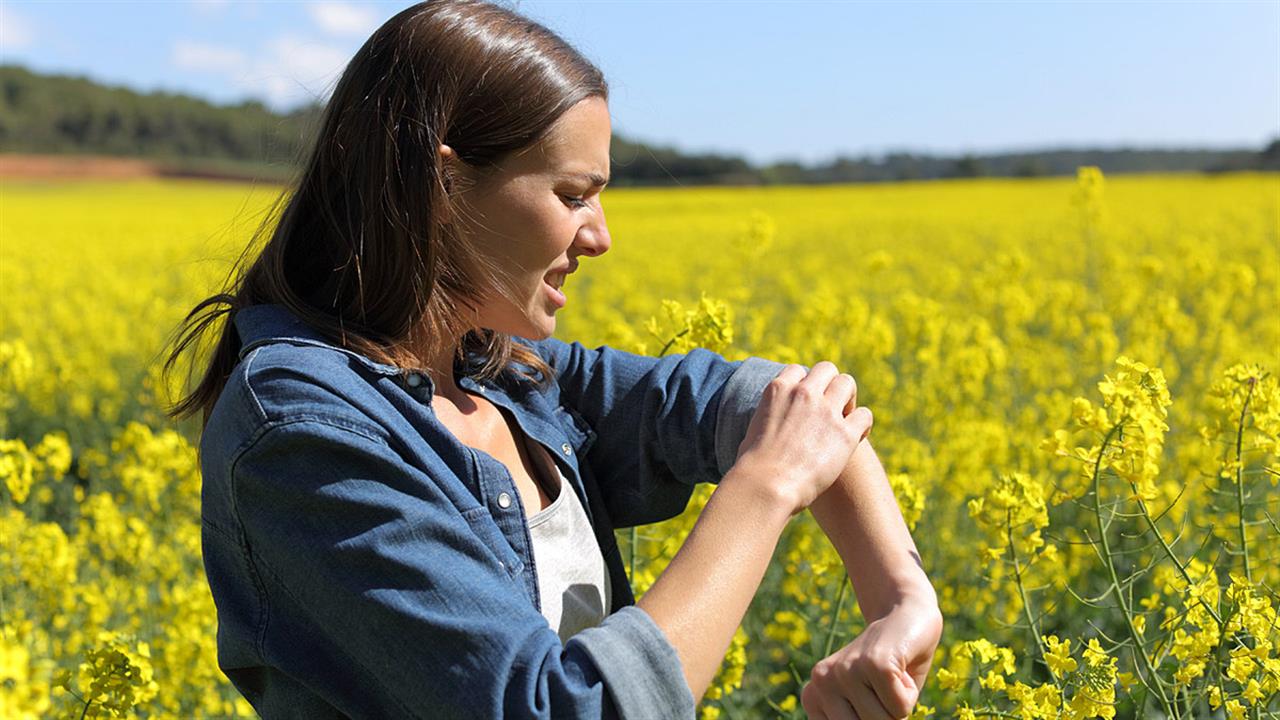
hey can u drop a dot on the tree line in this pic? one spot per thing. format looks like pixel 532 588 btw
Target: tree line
pixel 65 114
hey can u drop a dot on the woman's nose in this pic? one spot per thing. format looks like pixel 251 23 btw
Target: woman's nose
pixel 593 237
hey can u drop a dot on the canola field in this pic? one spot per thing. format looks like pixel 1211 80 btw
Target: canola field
pixel 1073 379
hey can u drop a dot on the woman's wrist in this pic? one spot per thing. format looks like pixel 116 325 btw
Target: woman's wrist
pixel 751 476
pixel 914 593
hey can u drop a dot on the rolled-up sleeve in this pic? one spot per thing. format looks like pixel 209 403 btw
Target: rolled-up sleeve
pixel 640 666
pixel 738 402
pixel 375 590
pixel 663 424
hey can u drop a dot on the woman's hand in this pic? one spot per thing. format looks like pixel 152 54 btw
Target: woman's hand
pixel 804 430
pixel 880 674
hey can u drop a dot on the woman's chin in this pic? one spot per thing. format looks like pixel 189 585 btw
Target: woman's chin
pixel 541 325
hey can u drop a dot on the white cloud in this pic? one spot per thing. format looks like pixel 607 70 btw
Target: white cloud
pixel 307 60
pixel 15 30
pixel 343 18
pixel 288 71
pixel 205 57
pixel 292 70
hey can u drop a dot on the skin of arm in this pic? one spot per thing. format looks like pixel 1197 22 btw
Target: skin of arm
pixel 860 515
pixel 700 599
pixel 882 671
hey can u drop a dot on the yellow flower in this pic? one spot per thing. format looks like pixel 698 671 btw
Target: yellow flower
pixel 993 680
pixel 920 712
pixel 1215 697
pixel 948 680
pixel 1058 655
pixel 1240 668
pixel 1252 691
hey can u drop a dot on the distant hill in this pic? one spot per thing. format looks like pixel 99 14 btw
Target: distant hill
pixel 69 115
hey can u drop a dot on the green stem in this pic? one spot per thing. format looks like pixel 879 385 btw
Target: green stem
pixel 635 534
pixel 1026 601
pixel 1244 545
pixel 996 713
pixel 672 341
pixel 1146 515
pixel 835 615
pixel 1115 578
pixel 635 538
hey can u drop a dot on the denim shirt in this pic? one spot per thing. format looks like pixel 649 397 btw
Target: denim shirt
pixel 366 563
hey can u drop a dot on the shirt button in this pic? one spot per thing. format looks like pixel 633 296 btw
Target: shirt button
pixel 504 500
pixel 414 380
pixel 565 447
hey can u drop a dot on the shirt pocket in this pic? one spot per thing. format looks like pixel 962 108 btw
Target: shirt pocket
pixel 581 435
pixel 483 525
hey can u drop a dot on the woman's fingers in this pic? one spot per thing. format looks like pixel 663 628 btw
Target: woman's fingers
pixel 892 693
pixel 865 702
pixel 839 691
pixel 820 377
pixel 860 421
pixel 844 388
pixel 828 706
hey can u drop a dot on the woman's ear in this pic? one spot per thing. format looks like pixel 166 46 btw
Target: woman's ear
pixel 448 163
pixel 448 170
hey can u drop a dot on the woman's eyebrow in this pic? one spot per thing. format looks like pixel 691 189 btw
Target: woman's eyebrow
pixel 596 179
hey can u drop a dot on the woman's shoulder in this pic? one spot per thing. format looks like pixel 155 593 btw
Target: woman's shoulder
pixel 279 383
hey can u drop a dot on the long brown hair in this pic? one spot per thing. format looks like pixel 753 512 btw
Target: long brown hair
pixel 363 251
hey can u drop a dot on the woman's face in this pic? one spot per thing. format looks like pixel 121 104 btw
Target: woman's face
pixel 537 213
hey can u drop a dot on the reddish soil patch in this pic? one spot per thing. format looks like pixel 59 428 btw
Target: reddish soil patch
pixel 75 166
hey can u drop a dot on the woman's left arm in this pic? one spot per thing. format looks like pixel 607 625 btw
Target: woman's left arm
pixel 883 669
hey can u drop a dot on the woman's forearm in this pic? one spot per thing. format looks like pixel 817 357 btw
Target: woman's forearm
pixel 700 599
pixel 860 515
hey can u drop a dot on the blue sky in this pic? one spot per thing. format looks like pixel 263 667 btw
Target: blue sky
pixel 766 80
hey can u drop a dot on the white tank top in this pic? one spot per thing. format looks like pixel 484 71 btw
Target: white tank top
pixel 573 580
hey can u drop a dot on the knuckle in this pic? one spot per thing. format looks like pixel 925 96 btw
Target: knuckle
pixel 880 663
pixel 787 376
pixel 852 434
pixel 808 393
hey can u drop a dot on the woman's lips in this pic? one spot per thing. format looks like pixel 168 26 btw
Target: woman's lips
pixel 556 296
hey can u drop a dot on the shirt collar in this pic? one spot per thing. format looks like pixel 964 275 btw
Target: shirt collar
pixel 269 323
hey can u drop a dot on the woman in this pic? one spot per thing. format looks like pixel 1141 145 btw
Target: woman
pixel 411 489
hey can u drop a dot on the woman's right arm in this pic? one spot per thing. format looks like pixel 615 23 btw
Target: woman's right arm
pixel 798 442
